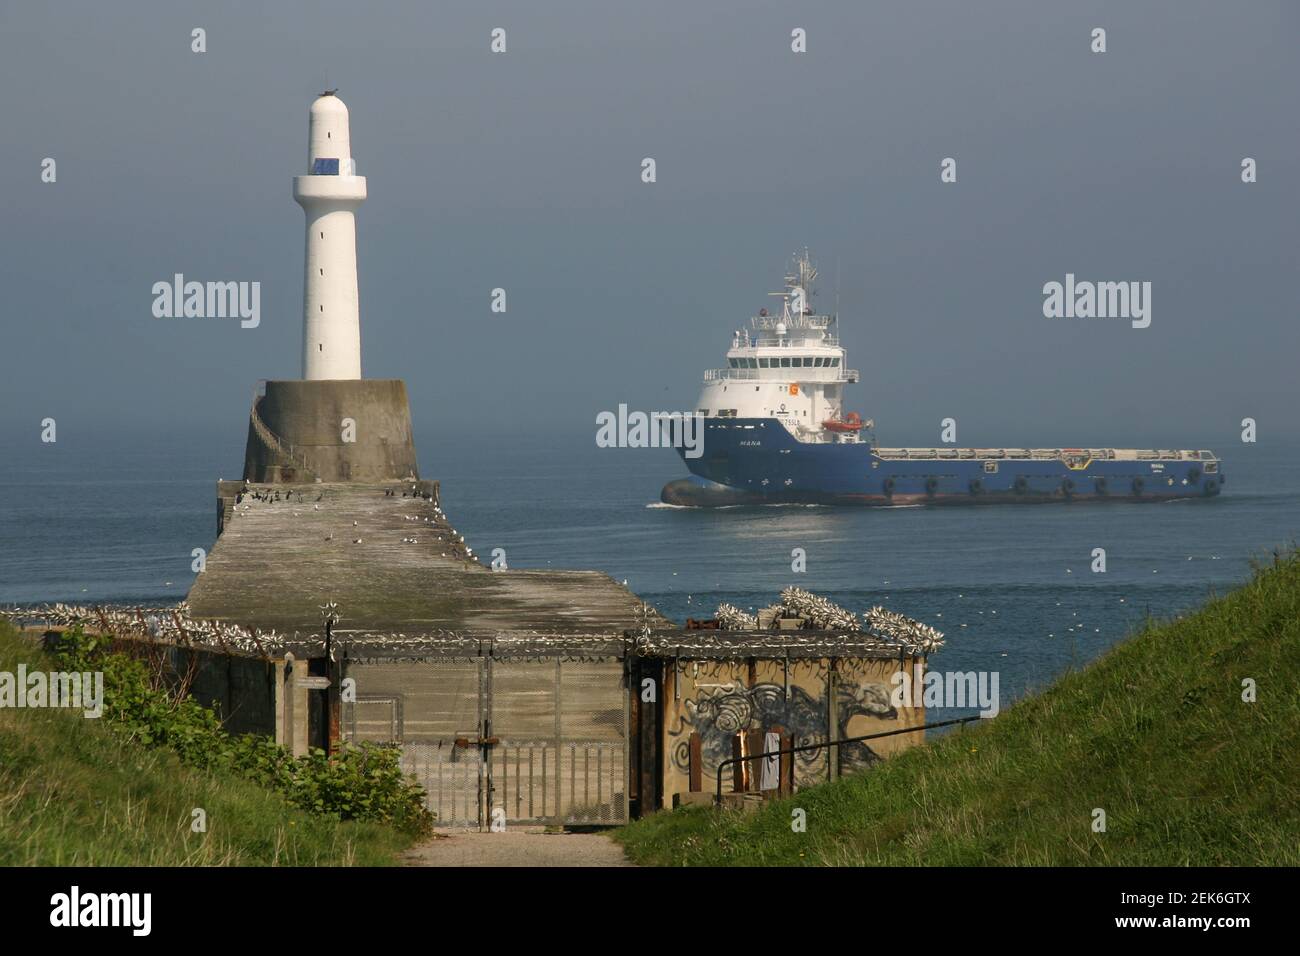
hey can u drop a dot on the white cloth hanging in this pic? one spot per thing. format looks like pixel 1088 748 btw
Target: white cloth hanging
pixel 770 777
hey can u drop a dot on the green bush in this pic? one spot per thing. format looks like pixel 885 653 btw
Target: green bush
pixel 358 783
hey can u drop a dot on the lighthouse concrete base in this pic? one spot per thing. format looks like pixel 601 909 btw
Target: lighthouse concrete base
pixel 329 431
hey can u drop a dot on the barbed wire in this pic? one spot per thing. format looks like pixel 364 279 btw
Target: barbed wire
pixel 889 627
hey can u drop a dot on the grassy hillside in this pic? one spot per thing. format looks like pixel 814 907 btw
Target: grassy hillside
pixel 1155 733
pixel 73 792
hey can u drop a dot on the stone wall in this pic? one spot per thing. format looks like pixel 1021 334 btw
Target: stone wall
pixel 308 417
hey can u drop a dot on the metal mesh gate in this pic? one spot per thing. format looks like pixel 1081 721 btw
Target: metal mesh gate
pixel 538 740
pixel 426 706
pixel 562 727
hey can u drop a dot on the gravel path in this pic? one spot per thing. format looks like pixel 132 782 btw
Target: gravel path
pixel 526 846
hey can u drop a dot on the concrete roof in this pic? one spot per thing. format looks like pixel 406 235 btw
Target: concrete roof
pixel 276 563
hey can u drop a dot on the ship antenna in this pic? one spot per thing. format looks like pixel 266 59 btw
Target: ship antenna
pixel 837 289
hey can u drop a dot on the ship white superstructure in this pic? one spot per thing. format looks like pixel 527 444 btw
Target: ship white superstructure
pixel 788 366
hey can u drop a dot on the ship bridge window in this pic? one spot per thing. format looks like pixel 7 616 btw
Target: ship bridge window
pixel 763 363
pixel 785 362
pixel 821 362
pixel 835 363
pixel 753 363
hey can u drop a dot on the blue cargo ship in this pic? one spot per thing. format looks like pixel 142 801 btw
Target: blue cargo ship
pixel 775 431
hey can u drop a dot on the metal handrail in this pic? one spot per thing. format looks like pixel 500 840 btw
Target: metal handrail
pixel 834 743
pixel 1040 454
pixel 274 441
pixel 801 374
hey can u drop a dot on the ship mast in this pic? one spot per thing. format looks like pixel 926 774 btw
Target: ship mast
pixel 795 304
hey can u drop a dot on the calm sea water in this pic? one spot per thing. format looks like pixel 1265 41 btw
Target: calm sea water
pixel 97 520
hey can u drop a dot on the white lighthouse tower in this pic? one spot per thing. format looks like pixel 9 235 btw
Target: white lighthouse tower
pixel 330 194
pixel 331 425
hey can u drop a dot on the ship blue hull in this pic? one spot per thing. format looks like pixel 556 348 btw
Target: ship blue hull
pixel 757 461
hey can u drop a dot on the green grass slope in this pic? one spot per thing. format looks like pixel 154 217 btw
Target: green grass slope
pixel 1155 733
pixel 74 793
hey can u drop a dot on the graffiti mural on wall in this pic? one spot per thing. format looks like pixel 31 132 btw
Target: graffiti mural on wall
pixel 719 710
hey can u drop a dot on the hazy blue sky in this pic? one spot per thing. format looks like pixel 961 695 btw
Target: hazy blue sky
pixel 522 171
